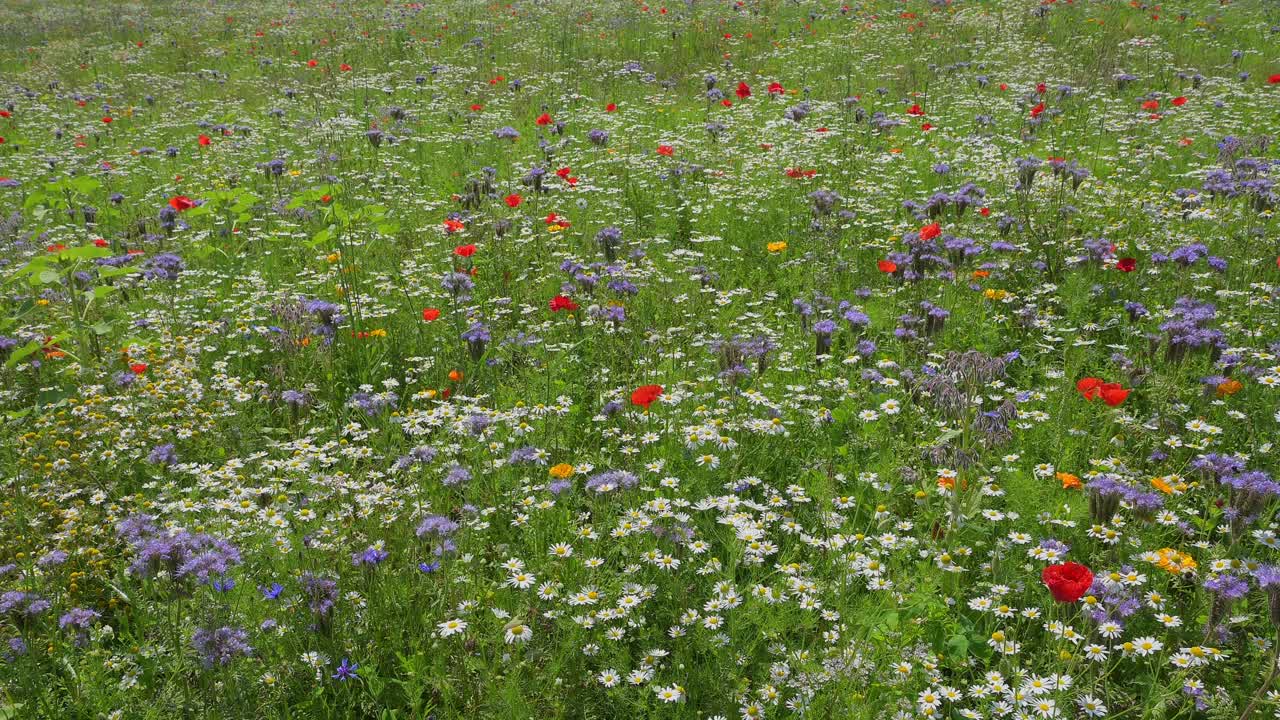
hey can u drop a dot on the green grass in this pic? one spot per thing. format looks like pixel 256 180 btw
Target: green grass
pixel 840 532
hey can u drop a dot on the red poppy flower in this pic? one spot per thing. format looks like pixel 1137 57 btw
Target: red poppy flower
pixel 926 127
pixel 1126 264
pixel 203 140
pixel 744 91
pixel 100 242
pixel 915 110
pixel 543 119
pixel 4 113
pixel 1089 387
pixel 465 251
pixel 1112 394
pixel 325 198
pixel 1004 86
pixel 453 226
pixel 1042 88
pixel 513 200
pixel 726 102
pixel 312 63
pixel 666 150
pixel 564 172
pixel 887 266
pixel 1035 111
pixel 107 120
pixel 985 212
pixel 138 368
pixel 645 395
pixel 1274 79
pixel 1151 105
pixel 611 107
pixel 344 68
pixel 430 314
pixel 477 107
pixel 1067 582
pixel 1179 101
pixel 57 247
pixel 930 231
pixel 775 88
pixel 560 302
pixel 181 202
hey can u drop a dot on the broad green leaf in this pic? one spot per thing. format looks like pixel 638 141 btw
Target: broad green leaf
pixel 111 272
pixel 21 353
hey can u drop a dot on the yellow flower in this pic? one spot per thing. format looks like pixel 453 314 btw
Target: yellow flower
pixel 777 246
pixel 561 471
pixel 993 294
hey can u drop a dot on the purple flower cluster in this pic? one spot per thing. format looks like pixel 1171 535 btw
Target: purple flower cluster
pixel 221 646
pixel 609 480
pixel 181 554
pixel 1107 491
pixel 321 594
pixel 1187 328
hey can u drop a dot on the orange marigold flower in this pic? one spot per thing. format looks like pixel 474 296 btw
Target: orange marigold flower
pixel 1229 387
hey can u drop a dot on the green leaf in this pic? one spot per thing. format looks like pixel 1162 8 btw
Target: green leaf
pixel 47 277
pixel 84 252
pixel 84 184
pixel 958 645
pixel 34 199
pixel 948 436
pixel 321 237
pixel 21 353
pixel 54 397
pixel 110 272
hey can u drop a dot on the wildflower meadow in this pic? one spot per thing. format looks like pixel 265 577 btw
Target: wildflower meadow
pixel 718 360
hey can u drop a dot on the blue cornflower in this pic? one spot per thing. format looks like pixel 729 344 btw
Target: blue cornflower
pixel 346 670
